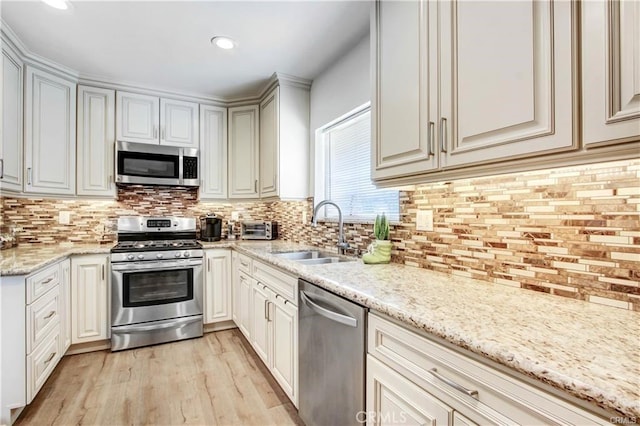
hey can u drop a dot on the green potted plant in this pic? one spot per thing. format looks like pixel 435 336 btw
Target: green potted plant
pixel 380 249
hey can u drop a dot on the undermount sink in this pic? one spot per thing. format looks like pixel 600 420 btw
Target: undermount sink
pixel 312 257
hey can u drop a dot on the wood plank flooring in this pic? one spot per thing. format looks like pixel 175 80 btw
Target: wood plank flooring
pixel 214 380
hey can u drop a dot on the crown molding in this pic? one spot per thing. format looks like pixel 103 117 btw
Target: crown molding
pixel 10 38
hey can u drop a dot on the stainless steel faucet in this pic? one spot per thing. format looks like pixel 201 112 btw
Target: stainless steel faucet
pixel 342 244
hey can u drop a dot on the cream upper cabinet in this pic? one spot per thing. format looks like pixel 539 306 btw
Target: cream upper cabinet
pixel 269 127
pixel 402 123
pixel 178 123
pixel 153 120
pixel 477 83
pixel 96 141
pixel 243 152
pixel 284 140
pixel 217 286
pixel 610 71
pixel 12 121
pixel 50 133
pixel 137 118
pixel 213 152
pixel 89 298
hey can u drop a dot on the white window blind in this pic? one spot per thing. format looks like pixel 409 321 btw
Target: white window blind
pixel 347 170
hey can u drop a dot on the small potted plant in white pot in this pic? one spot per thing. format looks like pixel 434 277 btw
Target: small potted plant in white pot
pixel 380 249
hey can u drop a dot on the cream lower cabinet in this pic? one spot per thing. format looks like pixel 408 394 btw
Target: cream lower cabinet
pixel 90 319
pixel 272 318
pixel 217 286
pixel 413 379
pixel 65 305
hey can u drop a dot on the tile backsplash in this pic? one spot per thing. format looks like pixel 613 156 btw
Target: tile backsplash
pixel 572 232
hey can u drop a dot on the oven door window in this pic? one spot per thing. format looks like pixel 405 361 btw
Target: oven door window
pixel 148 165
pixel 147 288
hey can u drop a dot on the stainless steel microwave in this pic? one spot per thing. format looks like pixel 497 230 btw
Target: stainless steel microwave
pixel 259 230
pixel 149 164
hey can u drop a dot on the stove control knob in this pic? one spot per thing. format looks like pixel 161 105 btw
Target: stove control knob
pixel 130 257
pixel 159 256
pixel 178 254
pixel 186 254
pixel 141 256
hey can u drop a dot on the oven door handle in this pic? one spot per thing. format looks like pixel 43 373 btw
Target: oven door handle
pixel 158 325
pixel 153 266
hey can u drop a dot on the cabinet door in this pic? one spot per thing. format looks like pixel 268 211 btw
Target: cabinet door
pixel 179 123
pixel 243 152
pixel 137 118
pixel 610 71
pixel 269 141
pixel 404 117
pixel 285 346
pixel 245 304
pixel 12 122
pixel 65 308
pixel 506 71
pixel 392 399
pixel 89 299
pixel 261 332
pixel 213 152
pixel 96 141
pixel 50 133
pixel 217 289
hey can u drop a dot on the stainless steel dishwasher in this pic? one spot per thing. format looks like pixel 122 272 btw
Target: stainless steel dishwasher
pixel 331 339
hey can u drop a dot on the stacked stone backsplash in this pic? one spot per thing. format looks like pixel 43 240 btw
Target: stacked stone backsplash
pixel 573 232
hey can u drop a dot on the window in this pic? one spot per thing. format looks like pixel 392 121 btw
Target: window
pixel 343 171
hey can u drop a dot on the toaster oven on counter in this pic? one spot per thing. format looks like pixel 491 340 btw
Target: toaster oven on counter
pixel 259 230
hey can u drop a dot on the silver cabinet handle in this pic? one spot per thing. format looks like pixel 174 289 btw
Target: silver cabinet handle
pixel 1 168
pixel 434 372
pixel 255 186
pixel 334 316
pixel 50 357
pixel 266 314
pixel 28 175
pixel 430 138
pixel 443 134
pixel 102 272
pixel 163 133
pixel 155 132
pixel 47 281
pixel 209 265
pixel 50 314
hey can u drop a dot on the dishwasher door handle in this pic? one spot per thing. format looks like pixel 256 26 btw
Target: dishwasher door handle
pixel 327 313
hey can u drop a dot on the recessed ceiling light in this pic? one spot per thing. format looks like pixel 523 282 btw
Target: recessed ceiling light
pixel 223 42
pixel 58 4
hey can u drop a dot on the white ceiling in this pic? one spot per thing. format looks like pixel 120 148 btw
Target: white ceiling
pixel 166 44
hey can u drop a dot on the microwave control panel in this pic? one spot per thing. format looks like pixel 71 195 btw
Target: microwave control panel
pixel 190 168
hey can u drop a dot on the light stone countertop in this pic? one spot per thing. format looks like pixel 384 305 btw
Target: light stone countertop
pixel 587 350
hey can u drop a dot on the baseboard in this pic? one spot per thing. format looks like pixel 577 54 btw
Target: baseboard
pixel 80 348
pixel 219 326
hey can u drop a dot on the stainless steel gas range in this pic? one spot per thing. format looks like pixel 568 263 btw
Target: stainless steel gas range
pixel 157 282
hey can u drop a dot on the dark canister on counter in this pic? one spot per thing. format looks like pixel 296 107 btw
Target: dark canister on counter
pixel 210 227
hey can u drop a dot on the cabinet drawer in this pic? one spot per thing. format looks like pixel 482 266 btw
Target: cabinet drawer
pixel 41 282
pixel 42 317
pixel 283 284
pixel 244 263
pixel 41 363
pixel 448 375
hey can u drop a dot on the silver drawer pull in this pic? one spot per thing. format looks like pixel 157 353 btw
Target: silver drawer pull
pixel 47 281
pixel 50 357
pixel 244 264
pixel 453 384
pixel 52 313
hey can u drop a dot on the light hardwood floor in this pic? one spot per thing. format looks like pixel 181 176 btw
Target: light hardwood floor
pixel 214 380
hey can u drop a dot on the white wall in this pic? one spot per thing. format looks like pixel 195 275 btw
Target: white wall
pixel 342 87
